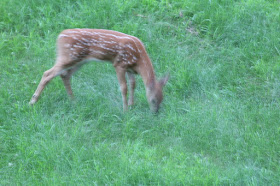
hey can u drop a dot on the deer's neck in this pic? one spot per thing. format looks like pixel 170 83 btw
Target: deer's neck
pixel 147 73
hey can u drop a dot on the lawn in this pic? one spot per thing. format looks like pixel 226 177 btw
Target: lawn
pixel 218 124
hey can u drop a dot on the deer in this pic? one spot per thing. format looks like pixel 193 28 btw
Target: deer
pixel 127 54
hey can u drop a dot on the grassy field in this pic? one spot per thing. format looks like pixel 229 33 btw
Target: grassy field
pixel 218 125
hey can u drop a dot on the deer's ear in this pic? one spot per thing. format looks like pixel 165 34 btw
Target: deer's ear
pixel 164 80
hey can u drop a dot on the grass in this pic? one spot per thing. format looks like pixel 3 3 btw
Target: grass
pixel 218 125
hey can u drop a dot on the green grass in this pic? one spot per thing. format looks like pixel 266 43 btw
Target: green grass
pixel 219 122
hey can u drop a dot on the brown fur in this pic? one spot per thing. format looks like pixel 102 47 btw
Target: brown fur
pixel 127 54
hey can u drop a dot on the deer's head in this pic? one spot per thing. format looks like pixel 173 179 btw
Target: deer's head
pixel 155 95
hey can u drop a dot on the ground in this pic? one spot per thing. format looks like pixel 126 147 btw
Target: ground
pixel 219 122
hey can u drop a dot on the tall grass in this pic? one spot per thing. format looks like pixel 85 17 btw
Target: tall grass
pixel 218 125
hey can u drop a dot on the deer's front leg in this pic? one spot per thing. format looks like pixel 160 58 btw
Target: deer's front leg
pixel 122 81
pixel 132 87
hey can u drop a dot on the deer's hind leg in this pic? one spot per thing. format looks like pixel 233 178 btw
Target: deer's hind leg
pixel 48 75
pixel 66 78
